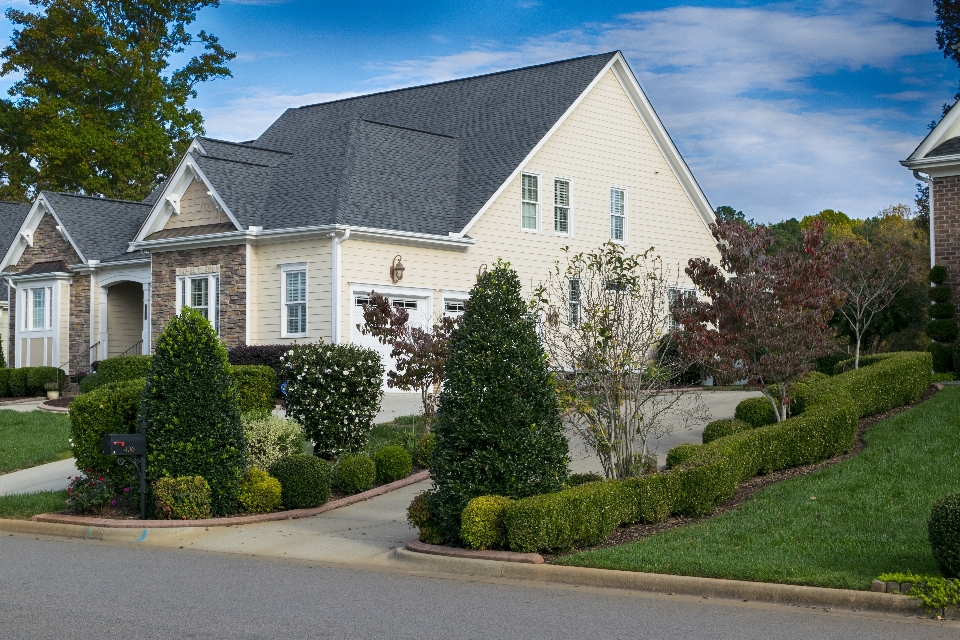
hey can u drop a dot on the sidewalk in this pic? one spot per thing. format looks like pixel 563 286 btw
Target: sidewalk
pixel 46 477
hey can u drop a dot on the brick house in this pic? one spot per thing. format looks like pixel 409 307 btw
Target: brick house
pixel 280 239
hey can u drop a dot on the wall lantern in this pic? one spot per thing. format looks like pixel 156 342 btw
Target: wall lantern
pixel 397 269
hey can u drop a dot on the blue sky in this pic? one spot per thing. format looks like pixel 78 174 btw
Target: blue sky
pixel 780 109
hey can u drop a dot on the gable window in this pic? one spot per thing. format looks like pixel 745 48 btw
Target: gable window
pixel 674 296
pixel 618 214
pixel 39 316
pixel 201 293
pixel 573 302
pixel 295 302
pixel 561 206
pixel 530 195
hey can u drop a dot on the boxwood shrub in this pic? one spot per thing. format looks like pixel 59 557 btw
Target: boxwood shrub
pixel 942 330
pixel 182 498
pixel 681 453
pixel 18 382
pixel 939 294
pixel 943 529
pixel 90 382
pixel 110 409
pixel 481 524
pixel 757 412
pixel 304 480
pixel 260 492
pixel 123 368
pixel 268 355
pixel 4 380
pixel 256 387
pixel 270 438
pixel 941 310
pixel 38 377
pixel 392 463
pixel 354 474
pixel 420 517
pixel 722 428
pixel 942 355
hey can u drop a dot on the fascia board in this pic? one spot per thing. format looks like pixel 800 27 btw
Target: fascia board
pixel 161 202
pixel 40 206
pixel 932 163
pixel 934 137
pixel 411 238
pixel 53 275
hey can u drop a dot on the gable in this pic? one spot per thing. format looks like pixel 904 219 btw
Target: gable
pixel 48 246
pixel 197 208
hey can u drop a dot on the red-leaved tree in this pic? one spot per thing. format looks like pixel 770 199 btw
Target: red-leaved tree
pixel 420 355
pixel 760 318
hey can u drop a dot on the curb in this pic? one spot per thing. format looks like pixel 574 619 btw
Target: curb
pixel 45 407
pixel 453 552
pixel 47 519
pixel 662 583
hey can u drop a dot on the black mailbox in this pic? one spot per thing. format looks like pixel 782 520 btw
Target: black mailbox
pixel 124 444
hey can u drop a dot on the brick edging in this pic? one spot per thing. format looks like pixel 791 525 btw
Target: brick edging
pixel 453 552
pixel 292 514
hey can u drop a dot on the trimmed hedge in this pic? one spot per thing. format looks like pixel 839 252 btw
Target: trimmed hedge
pixel 757 412
pixel 354 474
pixel 304 480
pixel 260 492
pixel 942 354
pixel 18 382
pixel 393 463
pixel 38 377
pixel 110 409
pixel 4 380
pixel 267 355
pixel 27 381
pixel 587 514
pixel 942 330
pixel 256 387
pixel 90 382
pixel 481 524
pixel 943 529
pixel 123 368
pixel 723 428
pixel 681 453
pixel 182 498
pixel 942 311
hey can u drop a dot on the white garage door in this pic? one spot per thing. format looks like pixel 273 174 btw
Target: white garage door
pixel 421 314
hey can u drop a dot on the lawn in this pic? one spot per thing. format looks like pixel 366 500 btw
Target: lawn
pixel 840 527
pixel 404 431
pixel 29 439
pixel 25 505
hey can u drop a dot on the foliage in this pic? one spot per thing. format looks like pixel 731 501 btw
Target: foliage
pixel 182 498
pixel 91 493
pixel 757 412
pixel 577 479
pixel 942 330
pixel 420 517
pixel 941 310
pixel 256 387
pixel 425 448
pixel 21 506
pixel 943 377
pixel 681 371
pixel 482 522
pixel 123 368
pixel 18 382
pixel 681 453
pixel 334 391
pixel 728 214
pixel 268 355
pixel 90 382
pixel 38 377
pixel 604 314
pixel 96 109
pixel 305 480
pixel 498 426
pixel 110 409
pixel 260 492
pixel 767 324
pixel 723 428
pixel 934 592
pixel 392 463
pixel 944 531
pixel 190 411
pixel 942 354
pixel 4 381
pixel 270 438
pixel 31 438
pixel 354 474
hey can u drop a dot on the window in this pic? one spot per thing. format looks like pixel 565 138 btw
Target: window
pixel 618 209
pixel 404 304
pixel 295 302
pixel 530 195
pixel 361 300
pixel 201 293
pixel 573 302
pixel 454 306
pixel 39 316
pixel 674 294
pixel 561 206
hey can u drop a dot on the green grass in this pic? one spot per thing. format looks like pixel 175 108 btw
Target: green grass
pixel 32 438
pixel 393 433
pixel 840 527
pixel 25 505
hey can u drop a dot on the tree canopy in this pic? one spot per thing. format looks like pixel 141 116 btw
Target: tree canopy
pixel 97 109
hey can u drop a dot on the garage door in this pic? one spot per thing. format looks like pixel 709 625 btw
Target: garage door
pixel 420 312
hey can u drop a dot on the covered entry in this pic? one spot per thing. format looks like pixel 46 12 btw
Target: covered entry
pixel 125 319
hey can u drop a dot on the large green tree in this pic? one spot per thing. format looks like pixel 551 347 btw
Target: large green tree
pixel 98 110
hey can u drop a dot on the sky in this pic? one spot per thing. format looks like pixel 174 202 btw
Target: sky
pixel 780 109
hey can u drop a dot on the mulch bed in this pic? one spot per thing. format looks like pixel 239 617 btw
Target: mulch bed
pixel 60 402
pixel 634 532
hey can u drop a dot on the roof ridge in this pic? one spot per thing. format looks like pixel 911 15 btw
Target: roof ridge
pixel 101 198
pixel 397 126
pixel 245 145
pixel 482 75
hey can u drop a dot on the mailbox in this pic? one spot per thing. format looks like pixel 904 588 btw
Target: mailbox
pixel 124 444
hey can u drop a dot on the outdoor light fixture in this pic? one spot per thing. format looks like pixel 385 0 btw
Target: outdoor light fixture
pixel 397 269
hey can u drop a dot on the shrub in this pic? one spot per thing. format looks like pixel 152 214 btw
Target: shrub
pixel 110 409
pixel 425 450
pixel 943 529
pixel 334 391
pixel 392 463
pixel 123 368
pixel 38 377
pixel 942 310
pixel 268 355
pixel 190 409
pixel 939 294
pixel 804 389
pixel 577 479
pixel 182 498
pixel 498 427
pixel 757 412
pixel 260 492
pixel 722 428
pixel 4 382
pixel 938 274
pixel 943 359
pixel 304 480
pixel 481 524
pixel 827 364
pixel 90 382
pixel 354 474
pixel 941 330
pixel 954 357
pixel 256 387
pixel 681 453
pixel 18 382
pixel 91 493
pixel 270 438
pixel 419 517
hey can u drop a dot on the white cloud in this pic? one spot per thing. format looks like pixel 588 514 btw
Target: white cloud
pixel 245 118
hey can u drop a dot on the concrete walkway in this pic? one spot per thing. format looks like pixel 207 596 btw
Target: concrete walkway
pixel 46 477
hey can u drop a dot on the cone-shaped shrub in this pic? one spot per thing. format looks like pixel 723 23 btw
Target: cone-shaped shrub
pixel 942 328
pixel 190 409
pixel 498 428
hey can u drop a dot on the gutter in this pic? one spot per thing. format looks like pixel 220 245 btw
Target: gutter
pixel 929 180
pixel 335 283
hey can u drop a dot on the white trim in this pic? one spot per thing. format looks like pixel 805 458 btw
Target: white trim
pixel 626 214
pixel 213 295
pixel 335 286
pixel 539 227
pixel 391 290
pixel 246 294
pixel 455 294
pixel 569 181
pixel 932 140
pixel 929 181
pixel 40 207
pixel 285 271
pixel 292 266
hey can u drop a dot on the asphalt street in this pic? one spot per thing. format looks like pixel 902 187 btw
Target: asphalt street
pixel 64 589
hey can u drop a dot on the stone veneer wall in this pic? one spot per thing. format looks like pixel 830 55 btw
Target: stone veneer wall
pixel 946 227
pixel 232 261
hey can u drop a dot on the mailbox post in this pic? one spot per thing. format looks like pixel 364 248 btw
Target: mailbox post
pixel 132 447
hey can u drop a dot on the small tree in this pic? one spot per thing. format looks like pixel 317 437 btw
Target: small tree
pixel 190 410
pixel 498 428
pixel 765 317
pixel 420 355
pixel 607 328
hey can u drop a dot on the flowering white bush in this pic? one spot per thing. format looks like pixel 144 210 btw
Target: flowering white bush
pixel 270 438
pixel 334 391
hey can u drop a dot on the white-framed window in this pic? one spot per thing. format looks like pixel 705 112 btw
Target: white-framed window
pixel 561 207
pixel 573 302
pixel 201 292
pixel 618 214
pixel 294 310
pixel 361 300
pixel 674 294
pixel 404 303
pixel 454 307
pixel 530 197
pixel 39 309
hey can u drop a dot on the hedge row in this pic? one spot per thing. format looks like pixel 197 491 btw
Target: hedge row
pixel 28 381
pixel 586 515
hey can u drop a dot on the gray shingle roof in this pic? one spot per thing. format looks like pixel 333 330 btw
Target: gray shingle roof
pixel 101 227
pixel 12 215
pixel 947 148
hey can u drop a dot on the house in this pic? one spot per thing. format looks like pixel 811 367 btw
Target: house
pixel 12 215
pixel 409 193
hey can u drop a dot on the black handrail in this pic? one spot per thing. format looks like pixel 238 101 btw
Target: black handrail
pixel 138 346
pixel 78 356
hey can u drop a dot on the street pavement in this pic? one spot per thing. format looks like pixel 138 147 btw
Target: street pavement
pixel 74 589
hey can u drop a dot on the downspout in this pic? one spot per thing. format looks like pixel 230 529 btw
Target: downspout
pixel 929 181
pixel 335 284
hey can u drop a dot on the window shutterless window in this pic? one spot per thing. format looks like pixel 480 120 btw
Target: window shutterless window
pixel 561 206
pixel 201 293
pixel 39 302
pixel 530 196
pixel 403 304
pixel 573 302
pixel 618 214
pixel 295 302
pixel 674 295
pixel 454 306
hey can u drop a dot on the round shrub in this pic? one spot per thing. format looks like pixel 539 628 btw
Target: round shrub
pixel 256 387
pixel 681 453
pixel 354 474
pixel 109 409
pixel 270 438
pixel 18 382
pixel 939 294
pixel 938 274
pixel 942 330
pixel 419 517
pixel 943 529
pixel 304 480
pixel 425 450
pixel 393 463
pixel 260 492
pixel 182 498
pixel 805 388
pixel 723 428
pixel 577 479
pixel 756 411
pixel 334 391
pixel 90 382
pixel 123 368
pixel 942 311
pixel 38 377
pixel 481 524
pixel 942 357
